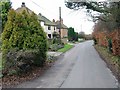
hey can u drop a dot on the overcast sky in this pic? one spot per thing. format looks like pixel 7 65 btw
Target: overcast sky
pixel 50 9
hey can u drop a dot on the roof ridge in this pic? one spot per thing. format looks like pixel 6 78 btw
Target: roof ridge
pixel 46 20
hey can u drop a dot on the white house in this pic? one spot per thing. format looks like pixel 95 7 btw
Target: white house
pixel 48 26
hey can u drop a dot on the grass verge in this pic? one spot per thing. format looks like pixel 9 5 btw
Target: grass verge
pixel 66 48
pixel 113 62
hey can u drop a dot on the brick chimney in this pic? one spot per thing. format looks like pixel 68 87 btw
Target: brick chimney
pixel 53 20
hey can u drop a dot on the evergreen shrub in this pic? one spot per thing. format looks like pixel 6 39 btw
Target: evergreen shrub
pixel 23 34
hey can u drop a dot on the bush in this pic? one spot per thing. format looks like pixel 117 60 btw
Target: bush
pixel 55 44
pixel 49 43
pixel 12 72
pixel 56 41
pixel 55 47
pixel 51 59
pixel 21 37
pixel 22 60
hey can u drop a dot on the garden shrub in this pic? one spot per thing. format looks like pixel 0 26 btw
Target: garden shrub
pixel 51 59
pixel 55 43
pixel 12 72
pixel 49 43
pixel 22 60
pixel 55 47
pixel 23 34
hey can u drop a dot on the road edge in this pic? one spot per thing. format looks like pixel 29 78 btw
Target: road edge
pixel 103 58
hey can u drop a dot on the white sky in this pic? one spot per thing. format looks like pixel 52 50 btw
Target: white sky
pixel 50 9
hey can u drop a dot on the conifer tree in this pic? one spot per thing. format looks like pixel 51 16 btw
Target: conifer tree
pixel 23 32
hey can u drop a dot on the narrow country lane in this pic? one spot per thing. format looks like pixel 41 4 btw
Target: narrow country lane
pixel 81 67
pixel 90 71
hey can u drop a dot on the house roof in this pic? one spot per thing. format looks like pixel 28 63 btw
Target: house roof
pixel 40 17
pixel 23 7
pixel 45 20
pixel 62 25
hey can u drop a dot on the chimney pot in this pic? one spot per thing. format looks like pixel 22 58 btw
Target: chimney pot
pixel 40 14
pixel 23 4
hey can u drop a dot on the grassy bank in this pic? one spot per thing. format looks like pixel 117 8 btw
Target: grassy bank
pixel 113 62
pixel 66 48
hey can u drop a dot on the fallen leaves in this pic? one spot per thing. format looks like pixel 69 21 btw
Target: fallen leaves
pixel 11 81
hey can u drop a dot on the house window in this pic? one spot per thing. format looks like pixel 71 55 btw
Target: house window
pixel 49 35
pixel 54 27
pixel 49 28
pixel 42 23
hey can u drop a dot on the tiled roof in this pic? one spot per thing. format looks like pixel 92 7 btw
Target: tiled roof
pixel 45 20
pixel 62 25
pixel 22 8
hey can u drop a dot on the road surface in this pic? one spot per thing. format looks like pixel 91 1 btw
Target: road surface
pixel 80 67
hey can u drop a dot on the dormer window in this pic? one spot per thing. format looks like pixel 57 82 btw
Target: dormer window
pixel 49 27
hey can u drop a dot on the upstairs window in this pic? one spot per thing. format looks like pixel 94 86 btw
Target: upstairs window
pixel 49 27
pixel 54 27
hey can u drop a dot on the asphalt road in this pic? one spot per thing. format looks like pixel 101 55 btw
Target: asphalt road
pixel 80 67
